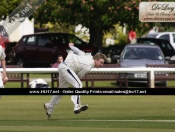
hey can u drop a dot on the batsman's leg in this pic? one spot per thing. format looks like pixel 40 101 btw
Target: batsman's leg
pixel 1 84
pixel 73 79
pixel 55 98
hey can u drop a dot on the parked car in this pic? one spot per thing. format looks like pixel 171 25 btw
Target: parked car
pixel 170 36
pixel 43 48
pixel 137 56
pixel 165 46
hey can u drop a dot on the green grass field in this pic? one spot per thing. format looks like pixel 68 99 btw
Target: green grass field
pixel 105 114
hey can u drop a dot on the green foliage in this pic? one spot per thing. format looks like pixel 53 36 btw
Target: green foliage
pixel 57 27
pixel 7 7
pixel 100 13
pixel 103 13
pixel 122 39
pixel 93 14
pixel 117 34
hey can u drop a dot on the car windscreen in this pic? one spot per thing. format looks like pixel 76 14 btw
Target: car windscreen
pixel 142 53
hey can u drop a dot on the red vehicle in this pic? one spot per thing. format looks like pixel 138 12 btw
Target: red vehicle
pixel 43 48
pixel 4 38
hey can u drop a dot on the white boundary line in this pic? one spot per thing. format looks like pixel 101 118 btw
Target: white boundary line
pixel 141 120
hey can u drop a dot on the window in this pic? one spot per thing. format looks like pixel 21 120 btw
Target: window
pixel 154 54
pixel 146 42
pixel 58 39
pixel 173 38
pixel 130 53
pixel 44 41
pixel 151 35
pixel 31 40
pixel 142 53
pixel 168 47
pixel 165 36
pixel 23 40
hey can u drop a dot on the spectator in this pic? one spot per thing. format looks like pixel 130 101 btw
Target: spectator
pixel 130 54
pixel 59 60
pixel 131 36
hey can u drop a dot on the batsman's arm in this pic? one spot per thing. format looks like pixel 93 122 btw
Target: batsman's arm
pixel 3 62
pixel 74 49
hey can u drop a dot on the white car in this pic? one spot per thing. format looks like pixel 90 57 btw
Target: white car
pixel 170 36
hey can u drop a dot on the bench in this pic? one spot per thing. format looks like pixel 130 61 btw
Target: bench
pixel 162 77
pixel 92 77
pixel 18 77
pixel 54 78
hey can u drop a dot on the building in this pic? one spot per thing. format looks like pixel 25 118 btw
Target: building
pixel 18 28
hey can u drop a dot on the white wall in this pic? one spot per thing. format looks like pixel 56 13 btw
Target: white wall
pixel 24 28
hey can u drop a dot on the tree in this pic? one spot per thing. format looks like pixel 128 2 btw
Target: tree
pixel 97 15
pixel 7 7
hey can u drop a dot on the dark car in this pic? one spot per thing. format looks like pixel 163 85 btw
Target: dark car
pixel 43 48
pixel 137 56
pixel 165 46
pixel 170 36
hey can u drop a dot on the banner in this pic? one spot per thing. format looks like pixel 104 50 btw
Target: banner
pixel 87 91
pixel 157 11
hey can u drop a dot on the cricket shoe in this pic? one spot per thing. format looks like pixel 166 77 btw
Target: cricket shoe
pixel 79 108
pixel 48 109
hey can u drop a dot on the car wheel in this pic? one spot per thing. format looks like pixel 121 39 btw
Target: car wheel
pixel 20 61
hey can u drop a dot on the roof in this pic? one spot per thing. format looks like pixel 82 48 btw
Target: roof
pixel 38 33
pixel 150 38
pixel 165 32
pixel 159 33
pixel 142 45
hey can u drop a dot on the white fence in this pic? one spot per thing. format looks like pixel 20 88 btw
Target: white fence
pixel 108 70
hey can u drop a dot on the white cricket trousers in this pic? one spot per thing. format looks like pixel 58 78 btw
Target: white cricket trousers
pixel 1 83
pixel 67 76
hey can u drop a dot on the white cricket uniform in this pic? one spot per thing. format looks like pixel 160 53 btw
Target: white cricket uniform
pixel 75 66
pixel 2 56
